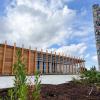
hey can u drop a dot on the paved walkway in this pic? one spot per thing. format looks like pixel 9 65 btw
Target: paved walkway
pixel 7 81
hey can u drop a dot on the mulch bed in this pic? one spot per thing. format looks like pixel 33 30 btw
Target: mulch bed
pixel 66 91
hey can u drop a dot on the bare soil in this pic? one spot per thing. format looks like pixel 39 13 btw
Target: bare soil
pixel 69 91
pixel 66 91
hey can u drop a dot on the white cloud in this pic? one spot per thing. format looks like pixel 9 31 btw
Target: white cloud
pixel 43 23
pixel 73 49
pixel 37 23
pixel 94 58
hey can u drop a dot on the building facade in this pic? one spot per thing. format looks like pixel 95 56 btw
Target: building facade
pixel 45 62
pixel 96 17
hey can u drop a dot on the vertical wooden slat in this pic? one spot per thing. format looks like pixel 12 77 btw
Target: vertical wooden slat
pixel 72 65
pixel 59 63
pixel 66 64
pixel 55 70
pixel 35 60
pixel 46 61
pixel 3 69
pixel 75 65
pixel 29 55
pixel 81 64
pixel 13 60
pixel 51 63
pixel 34 63
pixel 22 51
pixel 69 64
pixel 78 66
pixel 63 63
pixel 41 64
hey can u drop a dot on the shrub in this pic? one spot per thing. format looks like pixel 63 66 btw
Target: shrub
pixel 90 76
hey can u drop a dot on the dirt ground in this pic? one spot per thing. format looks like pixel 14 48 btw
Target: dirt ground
pixel 66 91
pixel 69 91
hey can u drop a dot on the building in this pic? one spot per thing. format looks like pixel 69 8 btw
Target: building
pixel 45 62
pixel 96 17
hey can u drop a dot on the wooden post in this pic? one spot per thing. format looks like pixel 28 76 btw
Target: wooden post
pixel 72 65
pixel 13 57
pixel 59 63
pixel 51 63
pixel 63 63
pixel 36 60
pixel 22 51
pixel 75 64
pixel 69 64
pixel 41 64
pixel 46 61
pixel 78 65
pixel 55 69
pixel 81 64
pixel 3 69
pixel 29 56
pixel 66 63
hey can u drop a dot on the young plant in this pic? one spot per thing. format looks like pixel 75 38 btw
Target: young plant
pixel 37 86
pixel 11 94
pixel 20 88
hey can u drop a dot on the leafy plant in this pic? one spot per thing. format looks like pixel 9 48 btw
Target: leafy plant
pixel 37 87
pixel 91 76
pixel 11 94
pixel 20 88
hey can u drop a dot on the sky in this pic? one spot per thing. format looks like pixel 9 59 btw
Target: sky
pixel 64 26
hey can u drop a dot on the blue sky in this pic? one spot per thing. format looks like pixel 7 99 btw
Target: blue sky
pixel 58 25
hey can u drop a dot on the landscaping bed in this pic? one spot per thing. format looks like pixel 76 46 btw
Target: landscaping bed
pixel 69 91
pixel 66 91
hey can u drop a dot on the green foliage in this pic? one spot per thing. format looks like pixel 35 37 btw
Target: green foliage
pixel 91 76
pixel 11 94
pixel 20 90
pixel 20 78
pixel 37 87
